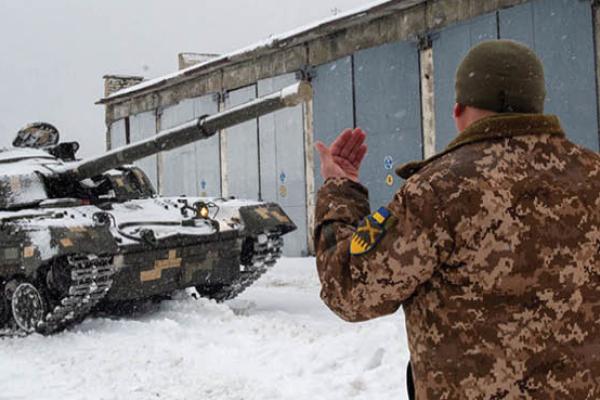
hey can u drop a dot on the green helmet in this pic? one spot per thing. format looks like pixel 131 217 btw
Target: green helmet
pixel 502 76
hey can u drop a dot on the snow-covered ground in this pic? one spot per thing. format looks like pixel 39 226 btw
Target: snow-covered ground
pixel 276 341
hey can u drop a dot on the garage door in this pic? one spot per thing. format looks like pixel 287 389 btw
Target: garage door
pixel 242 150
pixel 561 33
pixel 282 166
pixel 193 169
pixel 388 108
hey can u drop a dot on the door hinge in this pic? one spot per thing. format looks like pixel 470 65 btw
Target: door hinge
pixel 424 42
pixel 306 73
pixel 220 97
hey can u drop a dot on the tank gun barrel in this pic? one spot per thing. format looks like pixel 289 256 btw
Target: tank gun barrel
pixel 194 130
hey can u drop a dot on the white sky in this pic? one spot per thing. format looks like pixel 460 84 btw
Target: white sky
pixel 54 53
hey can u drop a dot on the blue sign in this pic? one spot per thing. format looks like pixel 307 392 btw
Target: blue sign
pixel 388 162
pixel 282 177
pixel 203 184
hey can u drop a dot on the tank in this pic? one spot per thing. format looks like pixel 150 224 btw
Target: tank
pixel 76 235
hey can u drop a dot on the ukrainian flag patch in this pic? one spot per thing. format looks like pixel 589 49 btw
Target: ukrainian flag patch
pixel 370 232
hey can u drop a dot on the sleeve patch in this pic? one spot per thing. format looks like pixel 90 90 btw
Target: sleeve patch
pixel 370 232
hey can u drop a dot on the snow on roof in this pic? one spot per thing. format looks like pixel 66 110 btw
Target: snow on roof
pixel 265 43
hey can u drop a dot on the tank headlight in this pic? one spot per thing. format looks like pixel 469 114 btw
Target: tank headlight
pixel 202 210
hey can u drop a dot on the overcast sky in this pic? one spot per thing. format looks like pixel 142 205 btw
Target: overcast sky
pixel 55 52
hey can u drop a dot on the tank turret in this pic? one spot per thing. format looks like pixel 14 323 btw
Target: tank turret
pixel 76 235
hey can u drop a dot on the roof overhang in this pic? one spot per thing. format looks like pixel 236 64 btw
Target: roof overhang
pixel 276 43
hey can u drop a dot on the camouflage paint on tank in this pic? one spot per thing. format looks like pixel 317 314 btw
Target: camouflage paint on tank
pixel 175 264
pixel 31 242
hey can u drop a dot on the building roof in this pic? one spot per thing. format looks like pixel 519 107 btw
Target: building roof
pixel 274 43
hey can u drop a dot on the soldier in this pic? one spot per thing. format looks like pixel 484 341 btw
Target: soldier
pixel 491 247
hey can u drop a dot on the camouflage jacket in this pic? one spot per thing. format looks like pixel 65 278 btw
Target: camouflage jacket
pixel 492 249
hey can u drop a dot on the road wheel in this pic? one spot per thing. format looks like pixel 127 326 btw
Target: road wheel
pixel 4 308
pixel 213 292
pixel 27 305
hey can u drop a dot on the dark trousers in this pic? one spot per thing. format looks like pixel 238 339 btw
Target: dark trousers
pixel 410 384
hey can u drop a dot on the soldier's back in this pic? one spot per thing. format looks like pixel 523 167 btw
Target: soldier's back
pixel 514 311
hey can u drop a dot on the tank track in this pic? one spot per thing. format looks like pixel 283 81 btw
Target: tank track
pixel 265 254
pixel 91 278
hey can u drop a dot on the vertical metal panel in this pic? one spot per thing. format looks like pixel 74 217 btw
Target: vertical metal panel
pixel 561 33
pixel 208 165
pixel 117 134
pixel 332 103
pixel 282 165
pixel 178 176
pixel 242 150
pixel 142 126
pixel 388 108
pixel 449 47
pixel 193 169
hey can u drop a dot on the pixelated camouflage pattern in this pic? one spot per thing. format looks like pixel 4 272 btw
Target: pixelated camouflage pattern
pixel 494 259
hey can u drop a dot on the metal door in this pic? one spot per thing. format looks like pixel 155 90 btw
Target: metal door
pixel 333 99
pixel 282 163
pixel 142 126
pixel 388 108
pixel 178 170
pixel 193 169
pixel 208 157
pixel 242 150
pixel 561 32
pixel 449 47
pixel 118 136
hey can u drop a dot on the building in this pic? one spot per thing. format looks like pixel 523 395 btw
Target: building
pixel 388 67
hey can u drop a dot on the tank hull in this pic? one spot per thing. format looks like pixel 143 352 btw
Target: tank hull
pixel 76 234
pixel 186 251
pixel 145 273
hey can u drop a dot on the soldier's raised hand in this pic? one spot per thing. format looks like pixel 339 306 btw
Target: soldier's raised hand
pixel 343 158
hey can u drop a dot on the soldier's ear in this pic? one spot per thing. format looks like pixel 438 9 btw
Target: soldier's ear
pixel 459 114
pixel 459 109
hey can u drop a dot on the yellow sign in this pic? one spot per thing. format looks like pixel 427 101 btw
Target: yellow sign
pixel 156 273
pixel 283 191
pixel 389 180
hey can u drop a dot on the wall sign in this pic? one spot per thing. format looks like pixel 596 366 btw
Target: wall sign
pixel 389 180
pixel 388 162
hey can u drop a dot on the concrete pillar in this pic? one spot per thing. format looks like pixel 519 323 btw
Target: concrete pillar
pixel 309 153
pixel 427 102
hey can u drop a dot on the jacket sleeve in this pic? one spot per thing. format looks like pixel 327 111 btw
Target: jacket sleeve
pixel 415 242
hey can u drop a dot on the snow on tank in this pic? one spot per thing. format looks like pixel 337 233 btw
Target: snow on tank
pixel 80 234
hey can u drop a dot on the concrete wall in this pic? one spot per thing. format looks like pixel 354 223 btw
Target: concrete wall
pixel 406 24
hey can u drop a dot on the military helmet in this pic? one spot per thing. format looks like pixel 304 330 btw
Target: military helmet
pixel 502 76
pixel 37 135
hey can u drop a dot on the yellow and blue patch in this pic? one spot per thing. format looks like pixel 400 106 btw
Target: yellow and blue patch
pixel 370 232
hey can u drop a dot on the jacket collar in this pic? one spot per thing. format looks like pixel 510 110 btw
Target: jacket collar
pixel 498 126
